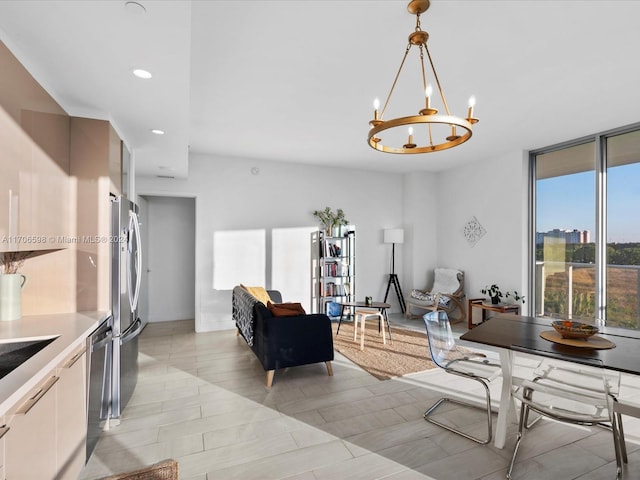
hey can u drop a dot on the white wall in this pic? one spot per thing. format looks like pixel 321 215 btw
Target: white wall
pixel 432 208
pixel 282 195
pixel 422 200
pixel 495 192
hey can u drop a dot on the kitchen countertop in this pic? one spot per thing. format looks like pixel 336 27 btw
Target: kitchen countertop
pixel 71 330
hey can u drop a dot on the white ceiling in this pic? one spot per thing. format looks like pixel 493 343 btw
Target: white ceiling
pixel 294 81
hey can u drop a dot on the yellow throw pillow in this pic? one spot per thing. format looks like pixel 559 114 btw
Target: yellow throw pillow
pixel 259 292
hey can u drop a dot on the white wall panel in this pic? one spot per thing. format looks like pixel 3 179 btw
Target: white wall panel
pixel 240 194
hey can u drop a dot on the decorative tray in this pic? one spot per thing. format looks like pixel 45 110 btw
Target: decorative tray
pixel 594 341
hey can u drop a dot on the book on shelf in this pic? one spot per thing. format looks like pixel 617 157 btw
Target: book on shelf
pixel 336 269
pixel 332 289
pixel 332 250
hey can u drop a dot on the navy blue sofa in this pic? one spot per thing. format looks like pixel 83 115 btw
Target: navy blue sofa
pixel 281 342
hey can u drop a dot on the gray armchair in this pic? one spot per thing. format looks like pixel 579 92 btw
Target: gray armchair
pixel 446 294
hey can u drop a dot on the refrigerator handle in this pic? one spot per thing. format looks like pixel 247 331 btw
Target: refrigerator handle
pixel 131 332
pixel 134 227
pixel 102 335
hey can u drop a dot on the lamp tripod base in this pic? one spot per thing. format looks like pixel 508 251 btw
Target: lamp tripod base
pixel 393 279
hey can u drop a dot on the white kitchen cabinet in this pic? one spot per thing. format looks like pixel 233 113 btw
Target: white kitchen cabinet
pixel 15 182
pixel 3 431
pixel 71 419
pixel 30 443
pixel 51 206
pixel 47 429
pixel 96 164
pixel 35 195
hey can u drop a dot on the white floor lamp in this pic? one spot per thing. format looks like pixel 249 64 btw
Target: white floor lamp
pixel 393 236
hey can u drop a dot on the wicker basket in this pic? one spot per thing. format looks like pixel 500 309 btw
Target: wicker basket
pixel 164 470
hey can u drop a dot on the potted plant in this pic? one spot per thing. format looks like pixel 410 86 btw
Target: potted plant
pixel 494 293
pixel 331 220
pixel 11 283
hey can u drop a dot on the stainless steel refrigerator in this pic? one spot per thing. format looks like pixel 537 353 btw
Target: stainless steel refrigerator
pixel 126 273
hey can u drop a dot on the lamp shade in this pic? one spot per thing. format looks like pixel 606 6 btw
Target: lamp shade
pixel 394 235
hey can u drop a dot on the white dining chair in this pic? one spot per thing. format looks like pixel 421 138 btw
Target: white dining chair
pixel 620 408
pixel 572 393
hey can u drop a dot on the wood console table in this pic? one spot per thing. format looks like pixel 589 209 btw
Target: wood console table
pixel 488 307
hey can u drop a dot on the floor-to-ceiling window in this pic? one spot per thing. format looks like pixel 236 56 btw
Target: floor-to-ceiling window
pixel 586 218
pixel 623 230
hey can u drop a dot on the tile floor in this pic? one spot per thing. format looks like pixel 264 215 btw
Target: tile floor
pixel 200 399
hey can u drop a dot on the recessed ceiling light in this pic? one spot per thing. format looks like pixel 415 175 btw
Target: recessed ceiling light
pixel 140 73
pixel 157 131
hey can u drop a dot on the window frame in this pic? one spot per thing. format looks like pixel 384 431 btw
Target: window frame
pixel 600 166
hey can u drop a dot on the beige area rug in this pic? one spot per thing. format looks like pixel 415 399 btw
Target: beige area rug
pixel 408 353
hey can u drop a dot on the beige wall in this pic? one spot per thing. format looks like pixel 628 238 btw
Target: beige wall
pixel 52 164
pixel 34 157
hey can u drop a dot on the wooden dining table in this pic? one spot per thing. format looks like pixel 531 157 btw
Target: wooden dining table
pixel 517 333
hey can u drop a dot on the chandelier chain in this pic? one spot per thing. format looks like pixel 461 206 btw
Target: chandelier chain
pixel 395 80
pixel 424 75
pixel 435 76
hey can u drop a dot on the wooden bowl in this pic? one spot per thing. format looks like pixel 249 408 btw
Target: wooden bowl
pixel 571 329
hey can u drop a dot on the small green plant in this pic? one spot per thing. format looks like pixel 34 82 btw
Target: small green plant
pixel 516 296
pixel 494 293
pixel 330 219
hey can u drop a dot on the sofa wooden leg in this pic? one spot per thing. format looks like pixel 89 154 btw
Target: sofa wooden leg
pixel 270 377
pixel 237 332
pixel 329 368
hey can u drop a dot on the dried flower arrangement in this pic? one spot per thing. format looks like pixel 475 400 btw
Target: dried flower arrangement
pixel 10 262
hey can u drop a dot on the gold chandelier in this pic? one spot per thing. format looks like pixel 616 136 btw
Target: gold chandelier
pixel 429 130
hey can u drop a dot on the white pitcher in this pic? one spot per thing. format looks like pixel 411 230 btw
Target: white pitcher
pixel 11 295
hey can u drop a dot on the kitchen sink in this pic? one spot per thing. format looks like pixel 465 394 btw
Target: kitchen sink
pixel 14 353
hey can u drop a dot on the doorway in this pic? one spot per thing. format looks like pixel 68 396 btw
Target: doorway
pixel 170 266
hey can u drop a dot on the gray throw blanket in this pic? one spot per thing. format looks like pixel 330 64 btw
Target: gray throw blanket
pixel 242 312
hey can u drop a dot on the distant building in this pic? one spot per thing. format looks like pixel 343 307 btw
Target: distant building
pixel 569 236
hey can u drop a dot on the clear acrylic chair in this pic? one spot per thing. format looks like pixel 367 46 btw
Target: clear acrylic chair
pixel 572 393
pixel 462 362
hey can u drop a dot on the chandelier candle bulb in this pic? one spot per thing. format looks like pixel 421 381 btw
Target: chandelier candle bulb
pixel 376 119
pixel 410 143
pixel 454 135
pixel 427 92
pixel 472 102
